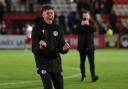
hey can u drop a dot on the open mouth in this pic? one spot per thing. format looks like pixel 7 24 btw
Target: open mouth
pixel 50 18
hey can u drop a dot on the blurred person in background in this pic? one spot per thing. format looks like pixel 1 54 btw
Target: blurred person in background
pixel 113 22
pixel 8 4
pixel 28 33
pixel 62 22
pixel 3 27
pixel 47 44
pixel 86 44
pixel 2 12
pixel 72 21
pixel 96 6
pixel 108 5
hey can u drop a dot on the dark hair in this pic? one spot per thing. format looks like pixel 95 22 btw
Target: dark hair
pixel 85 11
pixel 46 7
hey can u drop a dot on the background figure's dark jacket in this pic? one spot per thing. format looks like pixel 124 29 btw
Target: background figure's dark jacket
pixel 86 37
pixel 48 58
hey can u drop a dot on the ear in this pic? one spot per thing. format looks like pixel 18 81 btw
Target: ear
pixel 42 14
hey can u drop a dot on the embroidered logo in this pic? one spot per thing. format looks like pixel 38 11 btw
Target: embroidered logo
pixel 43 72
pixel 43 31
pixel 55 33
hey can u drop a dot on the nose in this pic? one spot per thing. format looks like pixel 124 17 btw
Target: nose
pixel 50 15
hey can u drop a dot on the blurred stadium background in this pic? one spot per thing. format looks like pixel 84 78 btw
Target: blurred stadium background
pixel 107 14
pixel 17 67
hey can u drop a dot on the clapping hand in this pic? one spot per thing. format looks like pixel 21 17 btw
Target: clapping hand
pixel 42 44
pixel 66 46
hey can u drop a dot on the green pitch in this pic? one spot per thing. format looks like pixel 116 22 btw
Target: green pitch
pixel 17 70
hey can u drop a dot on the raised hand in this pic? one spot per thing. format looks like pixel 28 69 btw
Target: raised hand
pixel 42 44
pixel 66 46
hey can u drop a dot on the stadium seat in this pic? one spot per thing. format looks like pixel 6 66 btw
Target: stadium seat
pixel 63 5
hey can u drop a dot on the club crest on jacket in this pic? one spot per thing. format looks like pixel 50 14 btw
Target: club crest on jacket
pixel 55 33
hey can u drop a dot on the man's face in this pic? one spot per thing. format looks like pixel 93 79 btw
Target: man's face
pixel 86 15
pixel 48 16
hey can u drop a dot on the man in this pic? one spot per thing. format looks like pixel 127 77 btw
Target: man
pixel 47 42
pixel 28 39
pixel 86 45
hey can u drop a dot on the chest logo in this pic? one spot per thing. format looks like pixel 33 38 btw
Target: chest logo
pixel 43 31
pixel 43 72
pixel 55 33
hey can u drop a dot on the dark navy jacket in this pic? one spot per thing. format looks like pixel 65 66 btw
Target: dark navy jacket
pixel 86 37
pixel 49 57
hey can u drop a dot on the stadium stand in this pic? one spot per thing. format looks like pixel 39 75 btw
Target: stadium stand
pixel 27 11
pixel 64 5
pixel 120 7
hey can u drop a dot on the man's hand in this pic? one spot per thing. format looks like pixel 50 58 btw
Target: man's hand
pixel 85 22
pixel 66 46
pixel 42 44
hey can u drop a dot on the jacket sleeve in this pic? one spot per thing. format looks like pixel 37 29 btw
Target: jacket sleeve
pixel 35 41
pixel 62 43
pixel 92 27
pixel 35 47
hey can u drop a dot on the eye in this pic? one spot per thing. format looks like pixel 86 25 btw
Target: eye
pixel 49 13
